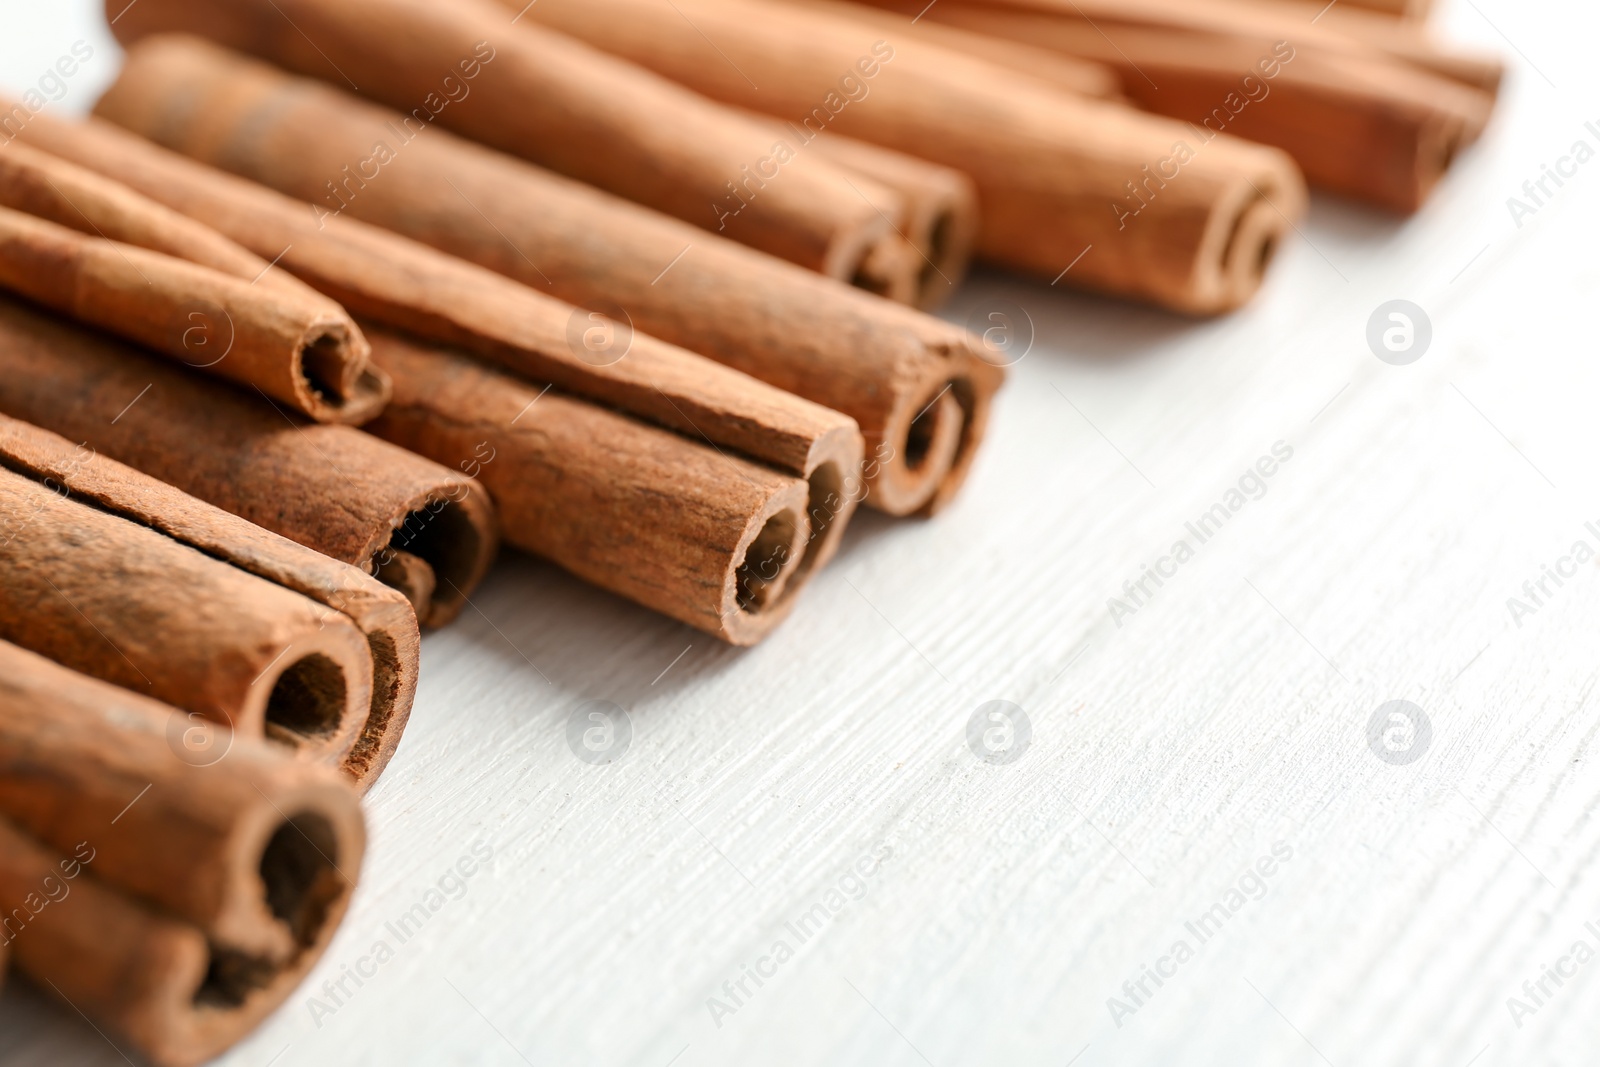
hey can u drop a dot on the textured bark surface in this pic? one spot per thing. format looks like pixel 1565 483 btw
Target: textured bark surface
pixel 400 282
pixel 95 905
pixel 1359 120
pixel 331 488
pixel 381 613
pixel 304 352
pixel 203 833
pixel 49 187
pixel 1055 171
pixel 713 541
pixel 559 103
pixel 124 603
pixel 885 366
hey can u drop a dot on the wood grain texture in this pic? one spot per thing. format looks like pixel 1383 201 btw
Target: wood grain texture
pixel 1183 744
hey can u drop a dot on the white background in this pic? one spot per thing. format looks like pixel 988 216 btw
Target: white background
pixel 1167 755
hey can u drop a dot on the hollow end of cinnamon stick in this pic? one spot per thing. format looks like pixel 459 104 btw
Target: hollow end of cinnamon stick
pixel 931 435
pixel 243 652
pixel 290 342
pixel 769 555
pixel 449 539
pixel 179 998
pixel 216 891
pixel 334 380
pixel 386 619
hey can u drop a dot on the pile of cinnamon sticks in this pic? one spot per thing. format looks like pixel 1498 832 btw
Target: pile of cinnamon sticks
pixel 332 297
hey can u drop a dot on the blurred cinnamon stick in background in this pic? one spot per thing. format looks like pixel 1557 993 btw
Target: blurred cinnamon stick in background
pixel 564 105
pixel 1360 120
pixel 1057 71
pixel 941 207
pixel 1071 188
pixel 709 539
pixel 331 488
pixel 174 901
pixel 383 615
pixel 919 388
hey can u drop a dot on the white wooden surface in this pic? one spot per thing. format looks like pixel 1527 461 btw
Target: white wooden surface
pixel 1167 754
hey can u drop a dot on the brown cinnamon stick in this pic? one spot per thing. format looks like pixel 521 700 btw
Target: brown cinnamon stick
pixel 331 488
pixel 540 95
pixel 919 389
pixel 1057 71
pixel 173 904
pixel 706 538
pixel 941 207
pixel 1357 120
pixel 77 197
pixel 304 353
pixel 383 615
pixel 391 279
pixel 1058 174
pixel 121 602
pixel 1404 39
pixel 217 840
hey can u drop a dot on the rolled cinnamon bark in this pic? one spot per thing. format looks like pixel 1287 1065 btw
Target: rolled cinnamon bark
pixel 48 187
pixel 75 912
pixel 1357 121
pixel 331 488
pixel 241 842
pixel 919 389
pixel 559 103
pixel 1054 69
pixel 123 603
pixel 390 279
pixel 941 207
pixel 1407 40
pixel 304 353
pixel 382 614
pixel 1071 189
pixel 706 538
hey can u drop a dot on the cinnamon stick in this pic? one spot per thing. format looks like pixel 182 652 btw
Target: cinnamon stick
pixel 1357 121
pixel 304 353
pixel 383 615
pixel 173 904
pixel 216 842
pixel 1072 189
pixel 1405 39
pixel 46 186
pixel 330 488
pixel 919 389
pixel 941 208
pixel 706 538
pixel 117 601
pixel 1058 71
pixel 390 279
pixel 543 96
